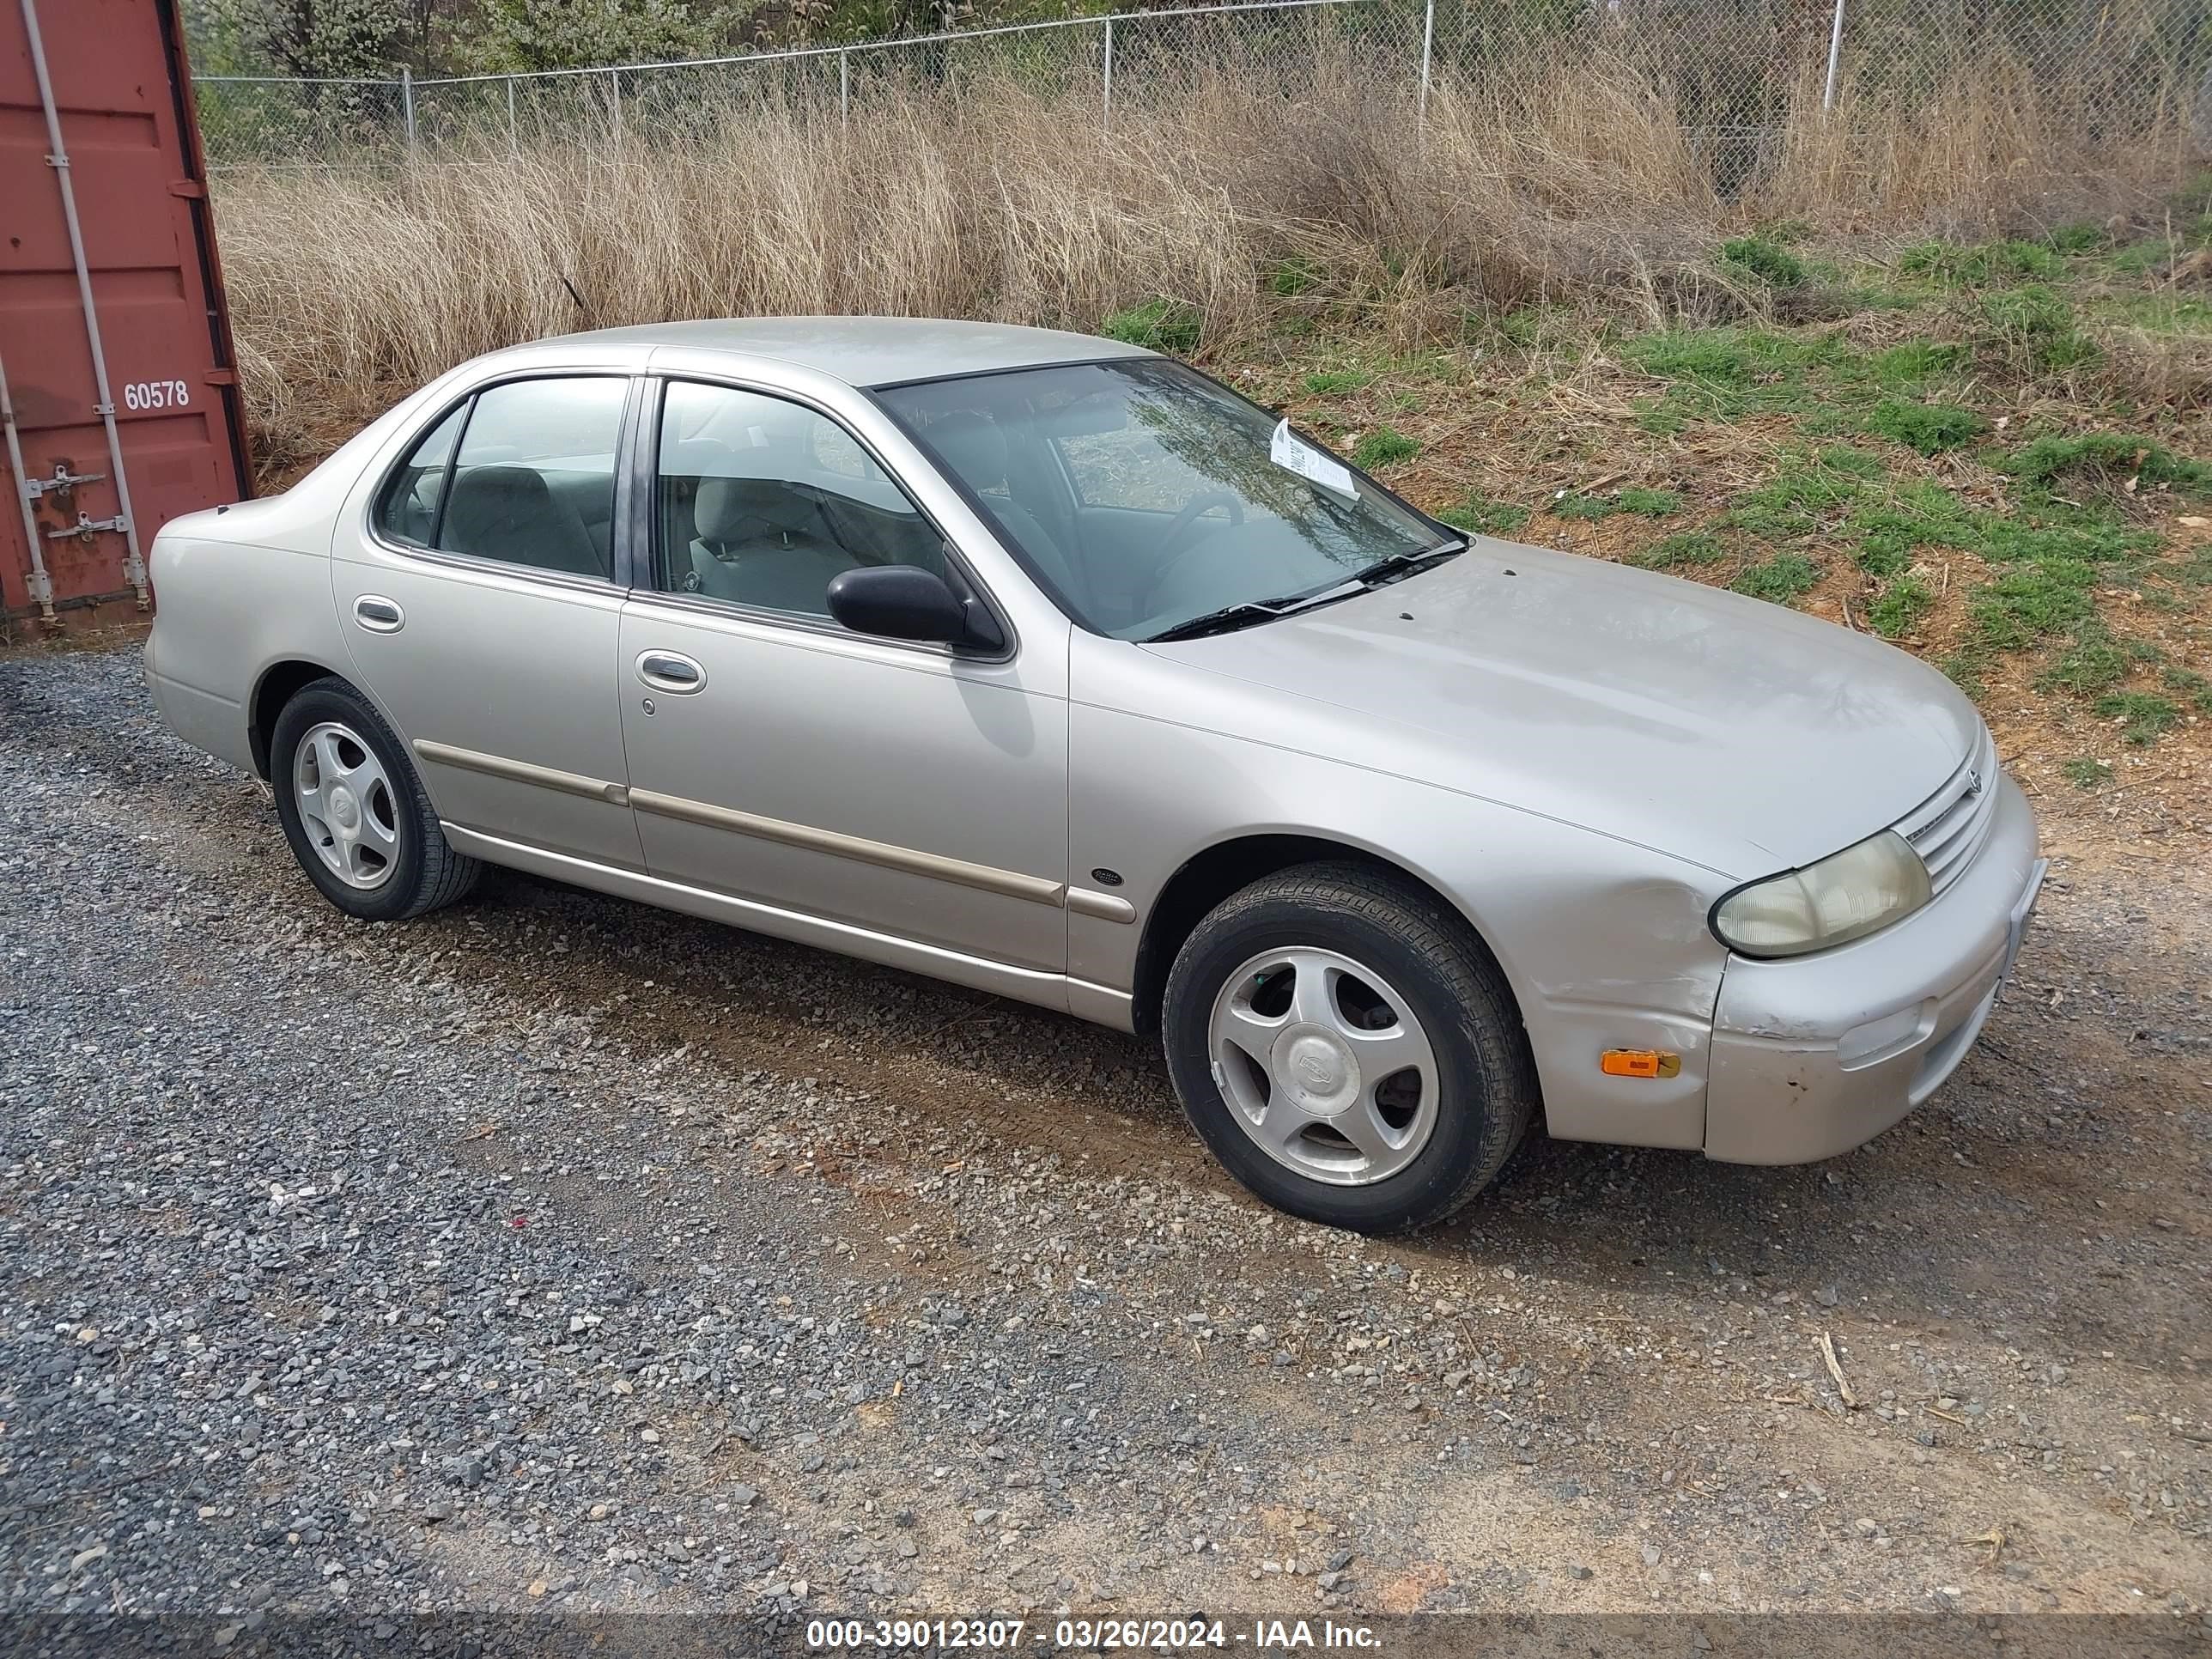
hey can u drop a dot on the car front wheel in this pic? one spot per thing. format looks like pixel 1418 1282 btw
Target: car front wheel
pixel 354 811
pixel 1348 1049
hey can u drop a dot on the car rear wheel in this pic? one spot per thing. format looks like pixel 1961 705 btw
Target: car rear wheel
pixel 354 810
pixel 1348 1049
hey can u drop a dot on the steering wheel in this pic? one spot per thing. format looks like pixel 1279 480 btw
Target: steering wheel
pixel 1173 549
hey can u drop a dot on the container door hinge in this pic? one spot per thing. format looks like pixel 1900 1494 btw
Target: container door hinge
pixel 63 479
pixel 85 529
pixel 191 189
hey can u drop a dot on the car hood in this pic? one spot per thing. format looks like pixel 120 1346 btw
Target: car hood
pixel 1723 730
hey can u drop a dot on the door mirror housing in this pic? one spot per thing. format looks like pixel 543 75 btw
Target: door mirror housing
pixel 905 602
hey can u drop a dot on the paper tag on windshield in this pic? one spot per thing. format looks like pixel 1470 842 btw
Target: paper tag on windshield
pixel 1294 455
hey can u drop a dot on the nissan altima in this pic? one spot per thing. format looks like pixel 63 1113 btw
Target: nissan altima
pixel 1051 667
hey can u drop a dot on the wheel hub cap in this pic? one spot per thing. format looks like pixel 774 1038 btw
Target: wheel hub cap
pixel 347 809
pixel 1317 1070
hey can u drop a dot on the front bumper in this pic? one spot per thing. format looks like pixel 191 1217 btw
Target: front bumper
pixel 1814 1056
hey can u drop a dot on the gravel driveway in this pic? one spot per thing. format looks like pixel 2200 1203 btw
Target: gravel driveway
pixel 555 1252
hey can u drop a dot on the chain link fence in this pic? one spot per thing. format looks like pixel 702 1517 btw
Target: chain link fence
pixel 1737 69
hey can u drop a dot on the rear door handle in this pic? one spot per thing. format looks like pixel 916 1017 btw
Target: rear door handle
pixel 671 672
pixel 378 614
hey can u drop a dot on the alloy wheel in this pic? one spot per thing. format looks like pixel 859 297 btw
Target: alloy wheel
pixel 346 805
pixel 1324 1065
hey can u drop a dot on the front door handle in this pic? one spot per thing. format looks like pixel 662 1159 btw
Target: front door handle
pixel 378 614
pixel 671 672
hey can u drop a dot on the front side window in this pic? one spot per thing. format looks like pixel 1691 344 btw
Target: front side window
pixel 523 473
pixel 763 501
pixel 1148 498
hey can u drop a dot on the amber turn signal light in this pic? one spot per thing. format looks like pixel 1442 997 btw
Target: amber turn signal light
pixel 1638 1062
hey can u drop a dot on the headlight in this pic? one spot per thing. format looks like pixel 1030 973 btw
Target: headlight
pixel 1859 890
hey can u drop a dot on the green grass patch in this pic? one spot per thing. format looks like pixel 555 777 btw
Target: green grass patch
pixel 1903 601
pixel 2096 662
pixel 2142 716
pixel 2084 773
pixel 1384 447
pixel 1649 503
pixel 2035 326
pixel 1803 495
pixel 1685 547
pixel 1726 374
pixel 2153 254
pixel 1766 259
pixel 1646 503
pixel 2194 687
pixel 2084 238
pixel 1780 580
pixel 1160 324
pixel 2032 602
pixel 1334 382
pixel 1982 265
pixel 1913 516
pixel 1852 463
pixel 1575 505
pixel 1931 429
pixel 1295 275
pixel 2104 457
pixel 2156 313
pixel 1963 668
pixel 1480 516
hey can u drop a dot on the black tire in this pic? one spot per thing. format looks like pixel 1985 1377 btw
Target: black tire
pixel 425 872
pixel 1488 1091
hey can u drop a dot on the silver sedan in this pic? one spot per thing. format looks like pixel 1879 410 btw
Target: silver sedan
pixel 1051 667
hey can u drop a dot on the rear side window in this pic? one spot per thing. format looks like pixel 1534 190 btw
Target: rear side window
pixel 407 511
pixel 524 475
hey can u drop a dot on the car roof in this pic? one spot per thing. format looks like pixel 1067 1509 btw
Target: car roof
pixel 865 351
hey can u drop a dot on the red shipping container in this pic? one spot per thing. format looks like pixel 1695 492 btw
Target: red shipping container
pixel 121 400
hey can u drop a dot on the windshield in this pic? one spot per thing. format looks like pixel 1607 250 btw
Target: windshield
pixel 1145 497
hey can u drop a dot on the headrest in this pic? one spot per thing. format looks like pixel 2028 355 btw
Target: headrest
pixel 487 498
pixel 972 446
pixel 733 510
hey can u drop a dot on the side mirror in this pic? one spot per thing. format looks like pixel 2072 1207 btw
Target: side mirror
pixel 905 602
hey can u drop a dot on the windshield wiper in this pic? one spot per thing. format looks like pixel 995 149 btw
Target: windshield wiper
pixel 1245 612
pixel 1391 566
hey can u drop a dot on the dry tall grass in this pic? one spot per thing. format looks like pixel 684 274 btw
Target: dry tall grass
pixel 349 287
